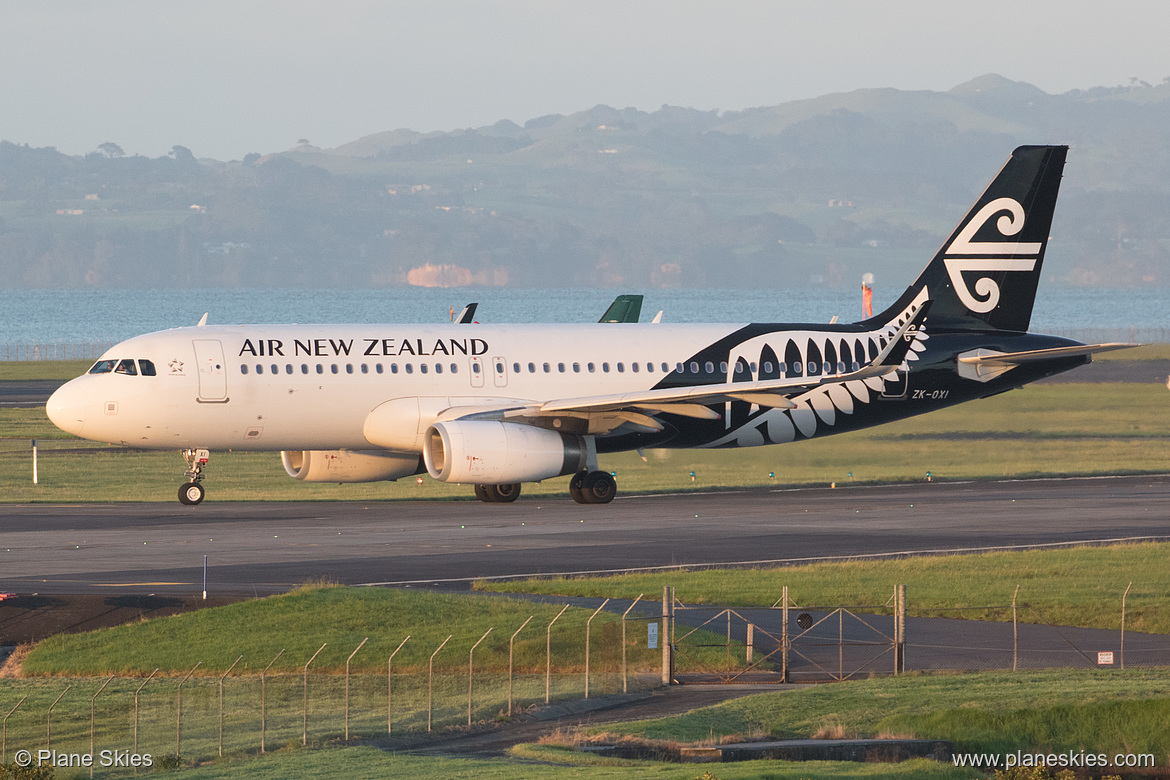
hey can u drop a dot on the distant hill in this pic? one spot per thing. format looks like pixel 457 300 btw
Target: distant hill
pixel 811 192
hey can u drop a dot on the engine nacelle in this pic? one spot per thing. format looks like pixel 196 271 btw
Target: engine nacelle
pixel 498 453
pixel 350 465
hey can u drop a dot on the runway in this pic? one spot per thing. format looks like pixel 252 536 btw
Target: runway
pixel 262 548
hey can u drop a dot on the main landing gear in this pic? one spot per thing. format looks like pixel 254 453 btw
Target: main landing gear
pixel 593 487
pixel 192 492
pixel 498 494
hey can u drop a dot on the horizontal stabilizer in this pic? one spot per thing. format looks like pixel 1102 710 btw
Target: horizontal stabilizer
pixel 983 365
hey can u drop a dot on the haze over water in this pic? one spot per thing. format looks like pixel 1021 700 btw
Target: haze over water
pixel 70 316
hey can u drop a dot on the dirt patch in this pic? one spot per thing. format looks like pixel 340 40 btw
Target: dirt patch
pixel 33 617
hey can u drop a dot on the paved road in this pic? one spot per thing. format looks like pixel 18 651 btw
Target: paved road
pixel 268 547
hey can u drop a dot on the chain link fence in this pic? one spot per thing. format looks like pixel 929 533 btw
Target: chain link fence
pixel 55 350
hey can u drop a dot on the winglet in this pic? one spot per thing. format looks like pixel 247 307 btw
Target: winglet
pixel 202 321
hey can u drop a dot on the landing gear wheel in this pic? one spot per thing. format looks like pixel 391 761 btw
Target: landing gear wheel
pixel 576 486
pixel 191 493
pixel 599 487
pixel 498 494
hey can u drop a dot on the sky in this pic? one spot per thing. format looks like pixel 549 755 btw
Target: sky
pixel 229 77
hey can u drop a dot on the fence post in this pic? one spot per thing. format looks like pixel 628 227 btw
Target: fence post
pixel 140 687
pixel 625 677
pixel 900 652
pixel 4 737
pixel 667 613
pixel 305 706
pixel 510 644
pixel 264 700
pixel 91 709
pixel 178 713
pixel 390 685
pixel 49 719
pixel 221 679
pixel 347 660
pixel 471 669
pixel 587 628
pixel 34 450
pixel 431 680
pixel 784 640
pixel 548 655
pixel 751 640
pixel 1123 597
pixel 1015 632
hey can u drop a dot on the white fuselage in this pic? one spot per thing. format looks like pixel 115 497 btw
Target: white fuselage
pixel 284 387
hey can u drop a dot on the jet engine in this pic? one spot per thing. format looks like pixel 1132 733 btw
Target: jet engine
pixel 485 452
pixel 350 465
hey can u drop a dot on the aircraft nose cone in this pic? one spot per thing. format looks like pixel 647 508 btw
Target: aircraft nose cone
pixel 66 407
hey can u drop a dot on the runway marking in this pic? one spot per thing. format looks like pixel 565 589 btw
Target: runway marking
pixel 772 562
pixel 135 584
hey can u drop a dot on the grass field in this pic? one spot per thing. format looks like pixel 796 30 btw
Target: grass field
pixel 1107 711
pixel 1073 587
pixel 1040 430
pixel 300 621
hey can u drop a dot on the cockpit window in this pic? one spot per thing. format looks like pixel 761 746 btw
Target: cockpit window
pixel 103 366
pixel 146 367
pixel 126 367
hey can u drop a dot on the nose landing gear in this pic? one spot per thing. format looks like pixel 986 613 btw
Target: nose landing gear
pixel 192 492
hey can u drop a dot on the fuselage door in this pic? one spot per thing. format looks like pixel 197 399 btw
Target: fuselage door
pixel 212 370
pixel 500 371
pixel 477 369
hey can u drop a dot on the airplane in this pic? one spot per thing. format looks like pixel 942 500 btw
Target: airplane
pixel 495 406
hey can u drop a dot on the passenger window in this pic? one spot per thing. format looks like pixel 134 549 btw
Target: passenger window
pixel 561 367
pixel 723 367
pixel 634 367
pixel 438 368
pixel 304 368
pixel 795 368
pixel 812 368
pixel 243 368
pixel 288 368
pixel 333 367
pixel 500 368
pixel 349 368
pixel 710 367
pixel 393 368
pixel 752 368
pixel 103 367
pixel 475 368
pixel 738 367
pixel 531 368
pixel 275 368
pixel 678 367
pixel 665 368
pixel 378 368
pixel 590 367
pixel 126 367
pixel 422 367
pixel 515 368
pixel 259 369
pixel 320 369
pixel 827 368
pixel 409 368
pixel 147 368
pixel 694 367
pixel 454 368
pixel 605 367
pixel 621 368
pixel 547 368
pixel 767 366
pixel 576 368
pixel 365 369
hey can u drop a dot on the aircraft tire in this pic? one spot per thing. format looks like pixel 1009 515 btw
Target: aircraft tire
pixel 576 487
pixel 504 494
pixel 599 487
pixel 191 493
pixel 481 492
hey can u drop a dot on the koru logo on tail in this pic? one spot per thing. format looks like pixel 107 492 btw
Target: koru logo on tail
pixel 989 256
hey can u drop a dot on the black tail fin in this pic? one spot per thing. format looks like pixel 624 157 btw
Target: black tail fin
pixel 985 275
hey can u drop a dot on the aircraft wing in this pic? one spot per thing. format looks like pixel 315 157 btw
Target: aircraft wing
pixel 609 411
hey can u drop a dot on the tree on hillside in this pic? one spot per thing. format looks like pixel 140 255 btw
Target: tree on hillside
pixel 111 150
